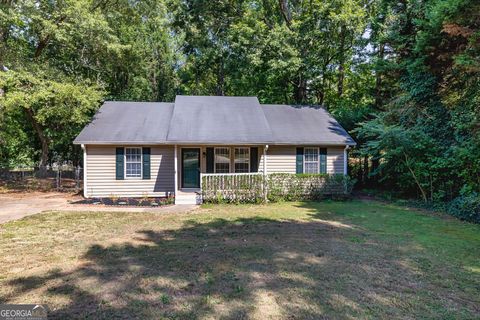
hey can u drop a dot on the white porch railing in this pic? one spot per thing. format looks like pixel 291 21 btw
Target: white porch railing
pixel 232 186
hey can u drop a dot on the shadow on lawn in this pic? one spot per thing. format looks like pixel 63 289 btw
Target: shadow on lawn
pixel 247 268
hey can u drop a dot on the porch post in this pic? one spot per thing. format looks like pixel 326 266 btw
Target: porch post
pixel 84 171
pixel 175 170
pixel 265 160
pixel 265 184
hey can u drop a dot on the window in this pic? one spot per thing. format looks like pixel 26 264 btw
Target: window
pixel 242 160
pixel 133 162
pixel 310 160
pixel 222 160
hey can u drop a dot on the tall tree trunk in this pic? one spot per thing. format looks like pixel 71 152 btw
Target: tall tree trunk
pixel 375 165
pixel 365 170
pixel 300 94
pixel 320 95
pixel 154 84
pixel 417 182
pixel 220 90
pixel 378 78
pixel 42 43
pixel 321 91
pixel 341 62
pixel 359 171
pixel 43 141
pixel 287 16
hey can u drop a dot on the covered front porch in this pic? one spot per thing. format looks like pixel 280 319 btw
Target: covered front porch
pixel 191 161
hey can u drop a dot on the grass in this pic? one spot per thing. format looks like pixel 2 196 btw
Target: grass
pixel 308 260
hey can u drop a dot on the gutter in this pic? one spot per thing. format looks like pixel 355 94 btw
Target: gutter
pixel 217 143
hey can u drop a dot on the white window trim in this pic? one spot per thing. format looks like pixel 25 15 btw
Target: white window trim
pixel 229 158
pixel 318 159
pixel 248 158
pixel 125 163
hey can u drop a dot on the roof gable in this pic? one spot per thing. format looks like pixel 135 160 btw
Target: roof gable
pixel 218 119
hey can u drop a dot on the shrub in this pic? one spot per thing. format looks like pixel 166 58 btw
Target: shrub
pixel 466 207
pixel 279 187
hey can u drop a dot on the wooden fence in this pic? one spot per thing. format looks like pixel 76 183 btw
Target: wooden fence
pixel 59 177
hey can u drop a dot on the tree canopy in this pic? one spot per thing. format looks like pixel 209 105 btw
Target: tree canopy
pixel 402 76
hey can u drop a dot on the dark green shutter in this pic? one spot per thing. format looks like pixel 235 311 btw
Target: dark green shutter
pixel 323 160
pixel 254 159
pixel 299 160
pixel 119 164
pixel 146 163
pixel 210 160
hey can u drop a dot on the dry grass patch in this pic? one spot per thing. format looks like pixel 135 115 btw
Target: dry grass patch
pixel 281 261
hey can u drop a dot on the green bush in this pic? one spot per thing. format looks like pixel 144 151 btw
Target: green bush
pixel 293 187
pixel 466 207
pixel 279 187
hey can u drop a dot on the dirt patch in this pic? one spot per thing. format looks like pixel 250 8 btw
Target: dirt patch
pixel 17 205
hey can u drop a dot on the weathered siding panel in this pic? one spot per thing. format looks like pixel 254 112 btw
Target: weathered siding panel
pixel 101 180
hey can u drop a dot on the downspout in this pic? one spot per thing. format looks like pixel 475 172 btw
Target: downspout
pixel 84 148
pixel 345 160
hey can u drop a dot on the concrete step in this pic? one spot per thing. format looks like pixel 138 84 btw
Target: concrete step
pixel 188 198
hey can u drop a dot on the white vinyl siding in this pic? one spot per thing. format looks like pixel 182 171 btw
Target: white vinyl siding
pixel 101 180
pixel 282 159
pixel 335 160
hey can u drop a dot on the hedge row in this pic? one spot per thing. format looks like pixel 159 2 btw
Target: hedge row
pixel 466 207
pixel 274 187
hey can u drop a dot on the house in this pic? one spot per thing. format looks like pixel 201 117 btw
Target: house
pixel 137 149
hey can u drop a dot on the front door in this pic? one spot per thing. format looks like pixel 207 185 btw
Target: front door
pixel 191 168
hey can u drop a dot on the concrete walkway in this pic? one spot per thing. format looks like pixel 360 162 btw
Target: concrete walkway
pixel 14 206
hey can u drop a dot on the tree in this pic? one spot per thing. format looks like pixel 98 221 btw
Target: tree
pixel 432 50
pixel 55 110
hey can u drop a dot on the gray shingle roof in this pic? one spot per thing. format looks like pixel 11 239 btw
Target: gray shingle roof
pixel 218 120
pixel 304 125
pixel 128 122
pixel 212 120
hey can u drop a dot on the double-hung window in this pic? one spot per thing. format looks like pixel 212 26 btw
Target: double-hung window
pixel 242 160
pixel 222 160
pixel 311 160
pixel 133 162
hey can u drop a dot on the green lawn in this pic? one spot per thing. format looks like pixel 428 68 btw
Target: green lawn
pixel 280 261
